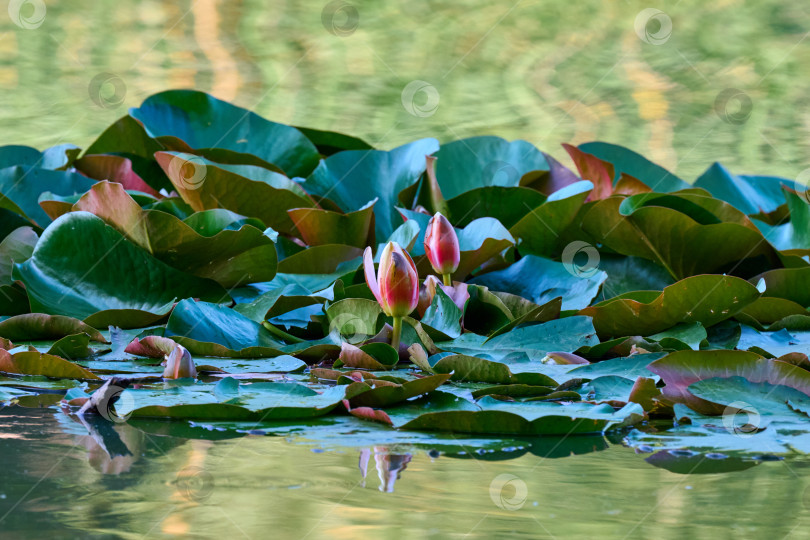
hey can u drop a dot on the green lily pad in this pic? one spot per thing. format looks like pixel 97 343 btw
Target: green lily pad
pixel 749 194
pixel 540 280
pixel 56 157
pixel 17 247
pixel 230 257
pixel 204 185
pixel 331 142
pixel 539 231
pixel 528 342
pixel 22 186
pixel 485 161
pixel 353 178
pixel 628 274
pixel 213 330
pixel 443 315
pixel 75 271
pixel 441 411
pixel 230 400
pixel 706 299
pixel 795 234
pixel 685 233
pixel 319 227
pixel 387 395
pixel 40 326
pixel 506 204
pixel 187 119
pixel 464 368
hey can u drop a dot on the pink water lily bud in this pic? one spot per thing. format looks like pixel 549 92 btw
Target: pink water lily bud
pixel 441 245
pixel 396 283
pixel 179 364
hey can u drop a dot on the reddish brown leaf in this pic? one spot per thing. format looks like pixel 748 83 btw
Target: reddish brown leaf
pixel 367 413
pixel 598 171
pixel 115 169
pixel 151 346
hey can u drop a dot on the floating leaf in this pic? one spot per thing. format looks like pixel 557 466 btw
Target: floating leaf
pixel 626 161
pixel 36 326
pixel 680 369
pixel 705 299
pixel 539 231
pixel 35 363
pixel 541 280
pixel 686 233
pixel 76 271
pixel 187 119
pixel 749 194
pixel 319 227
pixel 249 191
pixel 265 401
pixel 485 161
pixel 354 177
pixel 21 188
pixel 443 411
pixel 466 368
pixel 529 342
pixel 17 247
pixel 230 257
pixel 387 395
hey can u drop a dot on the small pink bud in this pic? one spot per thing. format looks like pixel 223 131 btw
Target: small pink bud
pixel 441 245
pixel 179 364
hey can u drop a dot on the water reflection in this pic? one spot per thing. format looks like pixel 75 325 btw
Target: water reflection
pixel 389 466
pixel 65 478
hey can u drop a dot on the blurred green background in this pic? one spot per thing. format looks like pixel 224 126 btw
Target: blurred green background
pixel 548 72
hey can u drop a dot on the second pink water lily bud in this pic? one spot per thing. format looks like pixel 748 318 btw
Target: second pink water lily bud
pixel 179 364
pixel 441 247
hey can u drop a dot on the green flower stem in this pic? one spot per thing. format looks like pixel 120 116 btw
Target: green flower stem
pixel 397 333
pixel 279 333
pixel 448 280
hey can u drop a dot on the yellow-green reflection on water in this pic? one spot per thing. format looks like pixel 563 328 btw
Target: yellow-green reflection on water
pixel 63 484
pixel 546 71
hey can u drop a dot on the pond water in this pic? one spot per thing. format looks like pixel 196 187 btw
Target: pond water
pixel 548 72
pixel 150 479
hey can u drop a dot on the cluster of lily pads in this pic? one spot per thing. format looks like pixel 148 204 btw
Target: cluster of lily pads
pixel 212 260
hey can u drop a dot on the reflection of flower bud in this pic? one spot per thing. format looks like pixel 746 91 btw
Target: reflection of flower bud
pixel 389 467
pixel 396 285
pixel 441 245
pixel 179 364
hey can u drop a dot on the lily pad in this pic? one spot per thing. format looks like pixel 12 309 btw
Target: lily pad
pixel 706 299
pixel 35 363
pixel 353 178
pixel 485 161
pixel 682 368
pixel 540 280
pixel 187 119
pixel 75 271
pixel 230 257
pixel 204 185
